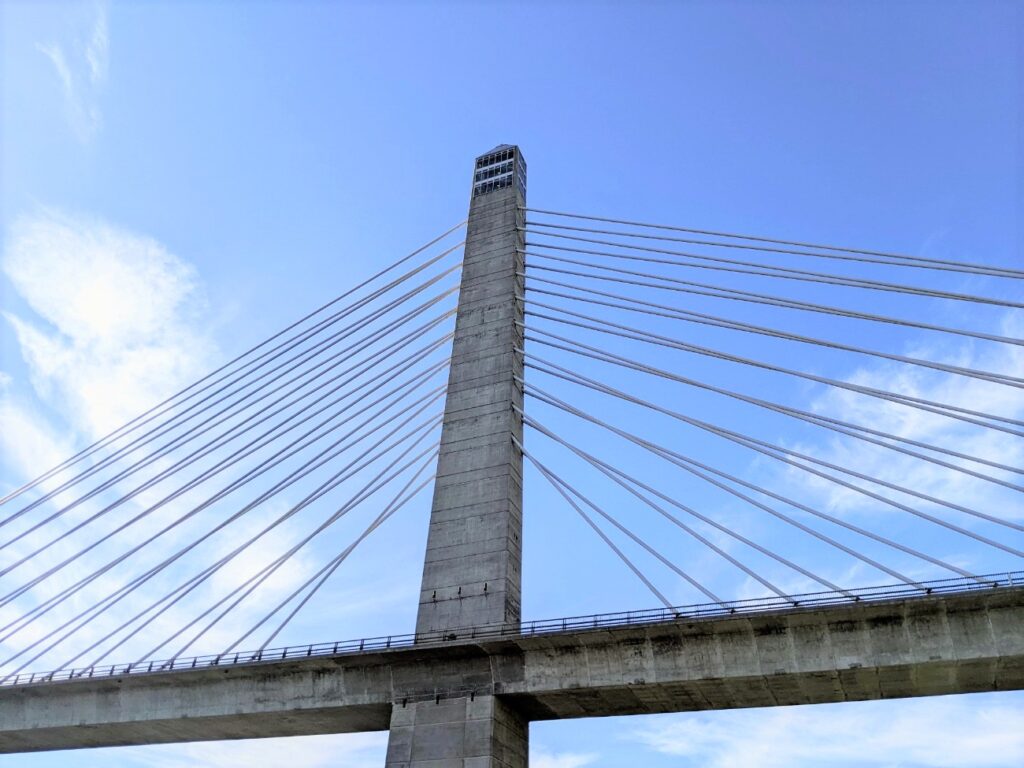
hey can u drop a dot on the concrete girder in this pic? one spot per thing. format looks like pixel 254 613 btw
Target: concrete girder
pixel 922 646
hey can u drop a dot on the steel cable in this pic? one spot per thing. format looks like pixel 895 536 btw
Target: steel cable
pixel 735 294
pixel 662 310
pixel 635 334
pixel 328 570
pixel 842 427
pixel 112 600
pixel 912 262
pixel 149 436
pixel 134 423
pixel 557 485
pixel 783 273
pixel 282 454
pixel 309 466
pixel 258 579
pixel 879 481
pixel 623 479
pixel 688 464
pixel 702 539
pixel 921 259
pixel 753 444
pixel 240 428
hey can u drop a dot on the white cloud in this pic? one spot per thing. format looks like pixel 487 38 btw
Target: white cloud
pixel 541 758
pixel 915 424
pixel 116 325
pixel 358 750
pixel 118 311
pixel 81 67
pixel 933 733
pixel 97 51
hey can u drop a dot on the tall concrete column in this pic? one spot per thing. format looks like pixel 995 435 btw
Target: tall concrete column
pixel 464 732
pixel 472 575
pixel 473 570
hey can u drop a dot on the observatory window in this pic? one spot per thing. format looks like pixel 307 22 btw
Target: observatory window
pixel 497 171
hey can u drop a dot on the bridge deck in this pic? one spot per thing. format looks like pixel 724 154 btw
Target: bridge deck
pixel 919 646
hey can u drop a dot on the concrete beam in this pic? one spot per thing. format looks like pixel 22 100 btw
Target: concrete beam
pixel 963 643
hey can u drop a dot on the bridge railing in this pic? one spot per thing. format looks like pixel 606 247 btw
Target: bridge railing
pixel 687 613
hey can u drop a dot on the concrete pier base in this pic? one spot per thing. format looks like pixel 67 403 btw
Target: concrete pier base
pixel 465 732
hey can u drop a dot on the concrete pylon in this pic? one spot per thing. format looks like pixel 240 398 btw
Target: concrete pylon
pixel 472 575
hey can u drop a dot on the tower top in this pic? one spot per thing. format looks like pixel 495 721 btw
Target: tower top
pixel 498 169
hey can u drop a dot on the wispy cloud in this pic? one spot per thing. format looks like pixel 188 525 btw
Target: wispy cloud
pixel 541 758
pixel 97 51
pixel 116 318
pixel 927 427
pixel 899 470
pixel 111 328
pixel 358 750
pixel 923 733
pixel 114 323
pixel 81 67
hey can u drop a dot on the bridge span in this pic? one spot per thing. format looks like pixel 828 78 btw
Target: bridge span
pixel 960 642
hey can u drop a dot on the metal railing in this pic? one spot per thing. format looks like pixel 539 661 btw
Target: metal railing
pixel 687 613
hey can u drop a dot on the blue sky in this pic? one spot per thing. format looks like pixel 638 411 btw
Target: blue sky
pixel 179 181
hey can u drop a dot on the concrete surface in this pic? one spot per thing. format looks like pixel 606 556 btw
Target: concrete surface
pixel 922 646
pixel 472 575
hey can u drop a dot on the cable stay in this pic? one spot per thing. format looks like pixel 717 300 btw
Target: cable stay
pixel 400 500
pixel 630 483
pixel 288 423
pixel 758 270
pixel 347 472
pixel 780 454
pixel 914 264
pixel 679 523
pixel 624 331
pixel 394 396
pixel 335 449
pixel 562 489
pixel 632 304
pixel 922 260
pixel 297 360
pixel 84 617
pixel 250 585
pixel 694 467
pixel 857 431
pixel 709 290
pixel 186 588
pixel 188 393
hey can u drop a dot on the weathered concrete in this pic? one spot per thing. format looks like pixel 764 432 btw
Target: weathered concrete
pixel 473 571
pixel 472 574
pixel 471 731
pixel 962 643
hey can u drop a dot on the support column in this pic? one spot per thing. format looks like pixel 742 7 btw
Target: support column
pixel 472 573
pixel 482 732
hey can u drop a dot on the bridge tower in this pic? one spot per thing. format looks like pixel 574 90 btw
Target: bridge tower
pixel 472 574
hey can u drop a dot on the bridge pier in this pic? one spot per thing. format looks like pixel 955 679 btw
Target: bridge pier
pixel 472 572
pixel 465 732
